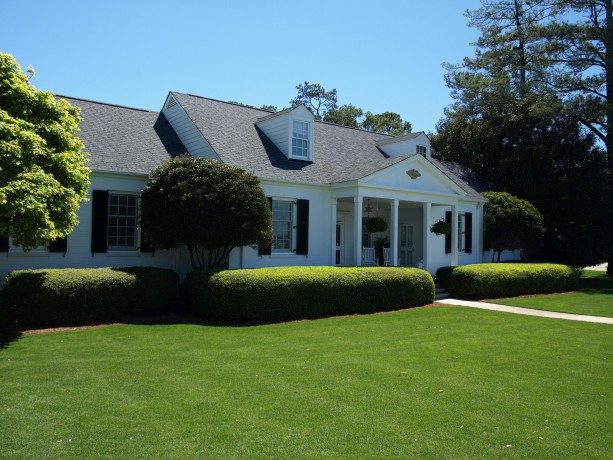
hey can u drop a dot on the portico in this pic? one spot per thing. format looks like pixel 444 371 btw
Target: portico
pixel 410 206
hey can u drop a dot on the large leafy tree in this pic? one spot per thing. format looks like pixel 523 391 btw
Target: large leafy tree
pixel 43 177
pixel 346 115
pixel 549 161
pixel 518 115
pixel 208 206
pixel 511 223
pixel 386 123
pixel 316 99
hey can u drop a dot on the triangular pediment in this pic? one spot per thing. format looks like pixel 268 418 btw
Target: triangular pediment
pixel 415 174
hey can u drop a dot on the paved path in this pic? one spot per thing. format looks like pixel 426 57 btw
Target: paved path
pixel 527 311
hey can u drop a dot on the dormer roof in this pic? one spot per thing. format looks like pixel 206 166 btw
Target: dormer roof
pixel 283 112
pixel 417 142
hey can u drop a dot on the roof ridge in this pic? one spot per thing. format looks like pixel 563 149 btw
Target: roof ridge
pixel 106 103
pixel 237 104
pixel 351 127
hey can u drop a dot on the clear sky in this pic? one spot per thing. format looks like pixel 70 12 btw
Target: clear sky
pixel 379 55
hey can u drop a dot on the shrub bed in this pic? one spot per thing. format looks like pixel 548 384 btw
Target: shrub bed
pixel 482 281
pixel 305 292
pixel 73 296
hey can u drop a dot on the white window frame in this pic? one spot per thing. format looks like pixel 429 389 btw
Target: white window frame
pixel 292 224
pixel 421 149
pixel 136 217
pixel 309 139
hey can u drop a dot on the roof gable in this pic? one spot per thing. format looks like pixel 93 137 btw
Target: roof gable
pixel 416 174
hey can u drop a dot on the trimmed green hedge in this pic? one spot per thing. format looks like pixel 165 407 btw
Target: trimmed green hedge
pixel 73 296
pixel 277 293
pixel 490 281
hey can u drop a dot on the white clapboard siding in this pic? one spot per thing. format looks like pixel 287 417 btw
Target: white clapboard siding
pixel 192 138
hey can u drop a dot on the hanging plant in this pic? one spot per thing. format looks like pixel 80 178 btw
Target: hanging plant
pixel 375 224
pixel 440 228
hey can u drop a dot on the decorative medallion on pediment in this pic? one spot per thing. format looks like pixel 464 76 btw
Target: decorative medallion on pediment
pixel 413 173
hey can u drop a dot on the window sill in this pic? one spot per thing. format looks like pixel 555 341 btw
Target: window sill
pixel 33 253
pixel 120 253
pixel 284 255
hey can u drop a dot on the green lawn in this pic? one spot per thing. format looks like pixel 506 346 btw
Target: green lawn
pixel 595 297
pixel 441 382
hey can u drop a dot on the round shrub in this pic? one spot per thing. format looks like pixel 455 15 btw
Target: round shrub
pixel 482 281
pixel 74 296
pixel 305 292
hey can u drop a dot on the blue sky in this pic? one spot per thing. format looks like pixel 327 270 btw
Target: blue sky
pixel 379 55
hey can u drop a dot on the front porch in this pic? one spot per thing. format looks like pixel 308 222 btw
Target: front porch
pixel 408 236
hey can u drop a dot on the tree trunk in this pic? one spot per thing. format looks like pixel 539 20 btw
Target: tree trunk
pixel 609 105
pixel 520 48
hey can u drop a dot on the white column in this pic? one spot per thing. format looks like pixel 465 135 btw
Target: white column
pixel 478 230
pixel 454 235
pixel 427 208
pixel 333 205
pixel 394 231
pixel 357 229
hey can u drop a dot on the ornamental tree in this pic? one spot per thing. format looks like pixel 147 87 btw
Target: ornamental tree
pixel 208 206
pixel 511 223
pixel 43 177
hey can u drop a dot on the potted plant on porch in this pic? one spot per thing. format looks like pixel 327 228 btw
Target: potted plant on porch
pixel 375 224
pixel 440 228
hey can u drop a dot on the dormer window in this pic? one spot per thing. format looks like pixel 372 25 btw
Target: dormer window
pixel 300 139
pixel 292 131
pixel 421 149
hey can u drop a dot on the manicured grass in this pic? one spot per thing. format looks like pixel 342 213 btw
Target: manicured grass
pixel 442 382
pixel 594 298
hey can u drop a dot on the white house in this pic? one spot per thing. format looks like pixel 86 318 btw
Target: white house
pixel 321 179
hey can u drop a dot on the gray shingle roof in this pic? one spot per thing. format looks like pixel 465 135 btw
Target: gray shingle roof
pixel 465 177
pixel 406 137
pixel 341 153
pixel 128 140
pixel 124 139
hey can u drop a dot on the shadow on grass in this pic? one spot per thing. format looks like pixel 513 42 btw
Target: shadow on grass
pixel 8 335
pixel 604 283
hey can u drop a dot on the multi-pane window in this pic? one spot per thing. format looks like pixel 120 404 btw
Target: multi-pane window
pixel 300 139
pixel 123 213
pixel 282 225
pixel 421 149
pixel 461 232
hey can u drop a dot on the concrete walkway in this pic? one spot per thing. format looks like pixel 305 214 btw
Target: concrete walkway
pixel 527 311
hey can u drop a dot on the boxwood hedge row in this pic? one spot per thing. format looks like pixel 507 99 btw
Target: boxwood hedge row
pixel 278 293
pixel 74 296
pixel 483 281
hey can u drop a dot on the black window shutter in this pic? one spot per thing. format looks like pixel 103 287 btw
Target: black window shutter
pixel 448 235
pixel 4 244
pixel 468 242
pixel 268 249
pixel 302 231
pixel 100 210
pixel 58 245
